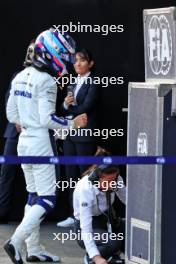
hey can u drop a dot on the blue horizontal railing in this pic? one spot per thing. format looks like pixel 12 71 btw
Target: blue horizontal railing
pixel 88 160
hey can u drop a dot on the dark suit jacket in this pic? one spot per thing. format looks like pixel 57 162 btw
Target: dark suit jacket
pixel 87 101
pixel 10 131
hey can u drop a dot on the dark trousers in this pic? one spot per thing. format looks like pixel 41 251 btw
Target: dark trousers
pixel 7 177
pixel 75 171
pixel 107 244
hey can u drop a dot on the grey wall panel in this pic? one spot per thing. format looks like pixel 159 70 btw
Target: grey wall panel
pixel 144 123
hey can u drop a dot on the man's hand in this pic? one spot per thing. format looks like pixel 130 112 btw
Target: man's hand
pixel 80 121
pixel 99 260
pixel 69 100
pixel 18 128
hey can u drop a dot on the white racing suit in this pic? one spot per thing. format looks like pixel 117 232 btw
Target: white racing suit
pixel 31 104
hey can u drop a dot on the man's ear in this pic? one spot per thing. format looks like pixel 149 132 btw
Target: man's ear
pixel 91 63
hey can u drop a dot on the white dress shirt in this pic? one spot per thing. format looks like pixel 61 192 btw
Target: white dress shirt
pixel 89 201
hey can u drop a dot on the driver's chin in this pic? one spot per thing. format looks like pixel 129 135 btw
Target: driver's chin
pixel 78 71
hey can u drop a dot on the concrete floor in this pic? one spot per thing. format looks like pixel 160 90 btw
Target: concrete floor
pixel 69 251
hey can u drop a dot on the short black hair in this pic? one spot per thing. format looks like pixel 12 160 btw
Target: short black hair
pixel 108 169
pixel 86 54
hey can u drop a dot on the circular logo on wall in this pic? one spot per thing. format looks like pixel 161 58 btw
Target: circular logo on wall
pixel 159 45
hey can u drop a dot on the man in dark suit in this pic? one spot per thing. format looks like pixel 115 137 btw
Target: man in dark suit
pixel 9 171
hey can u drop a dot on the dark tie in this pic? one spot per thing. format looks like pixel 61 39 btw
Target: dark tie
pixel 110 210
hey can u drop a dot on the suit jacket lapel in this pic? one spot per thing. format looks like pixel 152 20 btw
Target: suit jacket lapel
pixel 81 90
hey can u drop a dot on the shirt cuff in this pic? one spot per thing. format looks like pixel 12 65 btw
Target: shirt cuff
pixel 93 252
pixel 65 106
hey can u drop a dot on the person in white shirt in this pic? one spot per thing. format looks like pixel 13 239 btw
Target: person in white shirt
pixel 84 99
pixel 93 214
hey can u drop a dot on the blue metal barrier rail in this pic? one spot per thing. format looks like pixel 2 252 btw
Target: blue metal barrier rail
pixel 146 160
